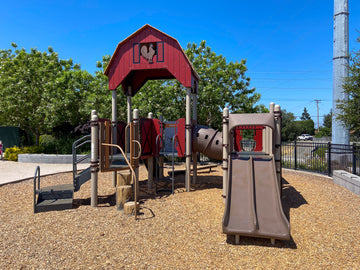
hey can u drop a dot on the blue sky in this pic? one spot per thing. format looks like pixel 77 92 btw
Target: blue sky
pixel 287 43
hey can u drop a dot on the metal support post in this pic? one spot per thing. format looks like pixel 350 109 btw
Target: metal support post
pixel 114 128
pixel 136 161
pixel 226 149
pixel 188 138
pixel 94 157
pixel 277 150
pixel 150 161
pixel 194 154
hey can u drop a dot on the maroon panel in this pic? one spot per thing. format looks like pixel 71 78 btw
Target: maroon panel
pixel 146 130
pixel 168 55
pixel 237 138
pixel 180 137
pixel 121 133
pixel 258 138
pixel 238 133
pixel 157 136
pixel 136 53
pixel 160 51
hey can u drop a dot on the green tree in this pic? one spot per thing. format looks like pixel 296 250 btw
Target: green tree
pixel 288 132
pixel 37 90
pixel 325 130
pixel 305 115
pixel 221 84
pixel 349 108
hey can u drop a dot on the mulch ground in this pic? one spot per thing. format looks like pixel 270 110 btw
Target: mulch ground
pixel 180 231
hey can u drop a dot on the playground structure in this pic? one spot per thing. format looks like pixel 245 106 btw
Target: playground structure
pixel 249 145
pixel 252 176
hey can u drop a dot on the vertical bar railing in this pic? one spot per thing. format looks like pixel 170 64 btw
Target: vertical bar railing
pixel 295 155
pixel 354 158
pixel 329 158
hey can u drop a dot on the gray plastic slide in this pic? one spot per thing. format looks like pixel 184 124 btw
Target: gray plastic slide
pixel 253 204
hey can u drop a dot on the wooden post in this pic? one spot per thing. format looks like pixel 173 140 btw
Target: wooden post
pixel 123 195
pixel 188 138
pixel 94 157
pixel 225 150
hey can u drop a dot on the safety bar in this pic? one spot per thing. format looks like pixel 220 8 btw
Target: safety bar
pixel 77 144
pixel 36 191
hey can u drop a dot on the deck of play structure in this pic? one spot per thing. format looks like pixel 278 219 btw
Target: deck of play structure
pixel 249 145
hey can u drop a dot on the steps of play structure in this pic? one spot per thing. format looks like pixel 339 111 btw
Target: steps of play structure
pixel 54 198
pixel 81 178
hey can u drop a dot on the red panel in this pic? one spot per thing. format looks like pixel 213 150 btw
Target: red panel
pixel 157 136
pixel 238 131
pixel 180 137
pixel 146 130
pixel 121 134
pixel 170 56
pixel 258 138
pixel 237 139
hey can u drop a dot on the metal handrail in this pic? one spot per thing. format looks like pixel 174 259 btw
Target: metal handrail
pixel 36 191
pixel 132 172
pixel 77 144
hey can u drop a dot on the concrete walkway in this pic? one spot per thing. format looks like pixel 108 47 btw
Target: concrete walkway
pixel 11 171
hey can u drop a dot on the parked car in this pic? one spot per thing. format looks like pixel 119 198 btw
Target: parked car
pixel 305 137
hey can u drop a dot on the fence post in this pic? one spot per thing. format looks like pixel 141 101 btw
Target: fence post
pixel 329 158
pixel 354 159
pixel 295 153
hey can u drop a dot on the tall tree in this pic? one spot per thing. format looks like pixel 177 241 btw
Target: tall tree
pixel 325 130
pixel 35 91
pixel 221 84
pixel 305 115
pixel 349 109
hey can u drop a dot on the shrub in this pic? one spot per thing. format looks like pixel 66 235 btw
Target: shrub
pixel 11 153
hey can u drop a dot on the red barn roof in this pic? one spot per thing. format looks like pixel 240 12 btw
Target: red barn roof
pixel 149 54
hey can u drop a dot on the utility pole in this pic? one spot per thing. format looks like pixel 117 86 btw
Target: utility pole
pixel 317 106
pixel 340 135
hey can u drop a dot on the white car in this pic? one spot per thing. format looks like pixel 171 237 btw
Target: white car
pixel 305 137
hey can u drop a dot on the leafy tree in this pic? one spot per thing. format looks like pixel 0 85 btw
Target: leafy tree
pixel 328 120
pixel 325 130
pixel 305 127
pixel 305 115
pixel 291 128
pixel 38 90
pixel 288 132
pixel 349 109
pixel 221 84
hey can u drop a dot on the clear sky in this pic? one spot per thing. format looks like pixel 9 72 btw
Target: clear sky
pixel 287 43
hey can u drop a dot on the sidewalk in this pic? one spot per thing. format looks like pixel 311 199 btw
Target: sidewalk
pixel 11 171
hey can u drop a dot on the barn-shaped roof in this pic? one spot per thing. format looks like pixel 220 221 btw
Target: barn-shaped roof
pixel 149 54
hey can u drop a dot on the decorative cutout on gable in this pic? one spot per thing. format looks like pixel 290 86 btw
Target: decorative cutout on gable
pixel 148 50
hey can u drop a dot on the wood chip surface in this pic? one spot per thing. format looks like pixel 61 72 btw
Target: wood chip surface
pixel 180 231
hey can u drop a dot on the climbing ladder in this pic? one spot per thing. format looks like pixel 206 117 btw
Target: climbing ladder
pixel 60 197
